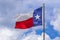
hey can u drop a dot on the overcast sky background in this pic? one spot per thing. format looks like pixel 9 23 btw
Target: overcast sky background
pixel 10 8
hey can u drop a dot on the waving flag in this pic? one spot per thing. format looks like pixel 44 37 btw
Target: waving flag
pixel 29 19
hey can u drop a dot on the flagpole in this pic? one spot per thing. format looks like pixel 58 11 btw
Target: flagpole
pixel 43 11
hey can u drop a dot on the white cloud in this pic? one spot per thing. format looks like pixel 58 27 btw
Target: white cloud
pixel 56 21
pixel 57 38
pixel 13 34
pixel 7 34
pixel 10 34
pixel 33 36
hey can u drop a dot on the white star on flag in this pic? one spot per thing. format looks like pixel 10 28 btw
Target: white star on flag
pixel 37 16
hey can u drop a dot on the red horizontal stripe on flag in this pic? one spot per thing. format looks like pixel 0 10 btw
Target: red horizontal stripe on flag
pixel 24 24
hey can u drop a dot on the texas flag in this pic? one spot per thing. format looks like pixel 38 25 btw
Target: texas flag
pixel 28 20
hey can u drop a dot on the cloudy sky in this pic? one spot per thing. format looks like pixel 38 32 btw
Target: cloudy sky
pixel 10 8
